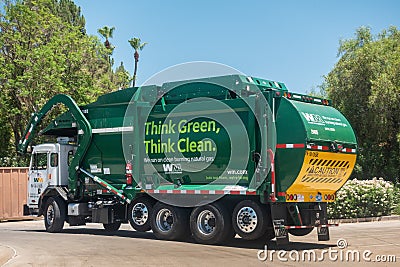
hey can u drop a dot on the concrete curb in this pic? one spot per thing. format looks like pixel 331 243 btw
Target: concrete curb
pixel 368 219
pixel 23 218
pixel 6 254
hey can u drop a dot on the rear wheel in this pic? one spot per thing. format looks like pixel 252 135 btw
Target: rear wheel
pixel 169 222
pixel 139 214
pixel 211 224
pixel 301 231
pixel 111 227
pixel 250 219
pixel 54 215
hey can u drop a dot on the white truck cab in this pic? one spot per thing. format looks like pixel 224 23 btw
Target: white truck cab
pixel 48 167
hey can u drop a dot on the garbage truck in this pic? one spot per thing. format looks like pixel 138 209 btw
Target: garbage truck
pixel 208 159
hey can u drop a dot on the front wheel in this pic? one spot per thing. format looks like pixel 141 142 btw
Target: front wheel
pixel 111 227
pixel 139 213
pixel 55 214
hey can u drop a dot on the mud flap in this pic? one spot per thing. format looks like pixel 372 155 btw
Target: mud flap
pixel 321 221
pixel 281 234
pixel 323 233
pixel 278 213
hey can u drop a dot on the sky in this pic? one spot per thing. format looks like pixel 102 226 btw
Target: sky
pixel 294 42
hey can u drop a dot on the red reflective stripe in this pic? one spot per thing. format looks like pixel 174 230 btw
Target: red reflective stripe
pixel 202 192
pixel 272 159
pixel 298 227
pixel 298 145
pixel 349 150
pixel 319 147
pixel 290 146
pixel 27 135
pixel 115 192
pixel 281 194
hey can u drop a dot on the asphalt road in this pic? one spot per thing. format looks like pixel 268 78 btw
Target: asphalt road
pixel 27 244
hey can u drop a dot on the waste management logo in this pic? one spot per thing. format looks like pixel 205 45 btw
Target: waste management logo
pixel 172 168
pixel 189 130
pixel 340 253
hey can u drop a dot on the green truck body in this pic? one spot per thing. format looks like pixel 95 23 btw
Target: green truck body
pixel 234 148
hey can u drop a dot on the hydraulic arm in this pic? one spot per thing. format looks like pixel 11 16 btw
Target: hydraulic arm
pixel 83 126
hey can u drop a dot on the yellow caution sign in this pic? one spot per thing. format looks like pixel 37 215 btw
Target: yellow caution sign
pixel 322 174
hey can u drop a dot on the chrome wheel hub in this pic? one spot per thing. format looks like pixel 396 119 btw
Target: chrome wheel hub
pixel 140 213
pixel 206 222
pixel 246 219
pixel 164 220
pixel 50 215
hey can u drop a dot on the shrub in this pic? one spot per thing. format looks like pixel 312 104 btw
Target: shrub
pixel 14 160
pixel 396 204
pixel 363 198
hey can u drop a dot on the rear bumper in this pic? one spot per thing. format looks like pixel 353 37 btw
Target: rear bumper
pixel 307 226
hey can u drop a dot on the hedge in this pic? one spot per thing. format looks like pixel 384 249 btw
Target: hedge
pixel 365 198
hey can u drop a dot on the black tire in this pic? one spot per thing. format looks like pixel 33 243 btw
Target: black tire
pixel 169 222
pixel 112 227
pixel 250 219
pixel 54 215
pixel 211 224
pixel 139 213
pixel 300 231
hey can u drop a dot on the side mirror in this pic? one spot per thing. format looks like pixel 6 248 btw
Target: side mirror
pixel 29 149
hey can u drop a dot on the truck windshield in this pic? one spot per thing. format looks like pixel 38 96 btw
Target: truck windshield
pixel 39 161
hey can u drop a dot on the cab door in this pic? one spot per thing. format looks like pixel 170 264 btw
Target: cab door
pixel 53 169
pixel 38 173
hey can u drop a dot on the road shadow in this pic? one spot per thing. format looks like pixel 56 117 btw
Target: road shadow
pixel 235 243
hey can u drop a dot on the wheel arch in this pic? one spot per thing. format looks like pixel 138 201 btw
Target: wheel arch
pixel 53 191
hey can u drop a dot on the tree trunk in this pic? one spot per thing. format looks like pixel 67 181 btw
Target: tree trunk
pixel 135 69
pixel 17 135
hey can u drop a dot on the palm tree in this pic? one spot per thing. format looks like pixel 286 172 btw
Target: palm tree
pixel 136 45
pixel 107 32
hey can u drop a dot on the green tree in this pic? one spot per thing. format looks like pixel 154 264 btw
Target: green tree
pixel 5 136
pixel 42 54
pixel 122 77
pixel 365 85
pixel 136 45
pixel 69 13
